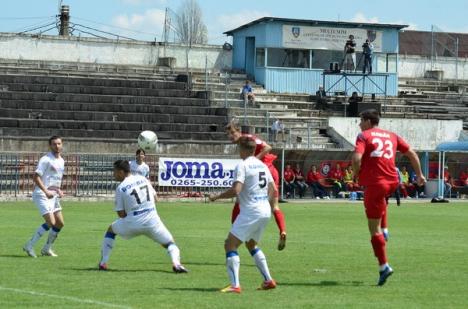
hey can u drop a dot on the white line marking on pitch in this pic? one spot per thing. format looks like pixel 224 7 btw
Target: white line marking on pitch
pixel 75 299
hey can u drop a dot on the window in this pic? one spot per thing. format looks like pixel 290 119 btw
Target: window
pixel 260 57
pixel 288 58
pixel 321 58
pixel 391 63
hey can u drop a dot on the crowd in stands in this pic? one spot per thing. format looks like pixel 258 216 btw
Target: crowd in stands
pixel 338 180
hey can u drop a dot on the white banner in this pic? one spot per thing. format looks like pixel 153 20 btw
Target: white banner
pixel 305 37
pixel 190 172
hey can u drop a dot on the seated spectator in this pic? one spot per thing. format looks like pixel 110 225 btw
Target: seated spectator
pixel 277 128
pixel 321 99
pixel 448 183
pixel 247 93
pixel 419 190
pixel 349 180
pixel 405 185
pixel 300 181
pixel 336 176
pixel 289 179
pixel 313 180
pixel 353 101
pixel 464 178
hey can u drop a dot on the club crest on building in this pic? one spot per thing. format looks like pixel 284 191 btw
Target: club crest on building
pixel 296 31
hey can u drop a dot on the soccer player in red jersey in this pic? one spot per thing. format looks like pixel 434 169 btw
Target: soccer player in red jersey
pixel 374 161
pixel 262 152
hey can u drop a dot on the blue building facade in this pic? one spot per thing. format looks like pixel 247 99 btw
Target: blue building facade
pixel 291 55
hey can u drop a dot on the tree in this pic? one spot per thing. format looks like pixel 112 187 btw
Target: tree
pixel 190 26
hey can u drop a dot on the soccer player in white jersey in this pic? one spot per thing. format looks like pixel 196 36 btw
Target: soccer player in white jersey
pixel 255 188
pixel 138 166
pixel 46 196
pixel 135 206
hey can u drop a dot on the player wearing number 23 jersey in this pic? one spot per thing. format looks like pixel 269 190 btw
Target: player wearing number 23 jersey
pixel 374 161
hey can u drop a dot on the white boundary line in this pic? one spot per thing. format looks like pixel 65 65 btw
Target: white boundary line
pixel 75 299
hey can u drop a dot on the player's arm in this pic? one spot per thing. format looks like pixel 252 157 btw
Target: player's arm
pixel 38 181
pixel 121 213
pixel 229 193
pixel 356 161
pixel 414 160
pixel 266 149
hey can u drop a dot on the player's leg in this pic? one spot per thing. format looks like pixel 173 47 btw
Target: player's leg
pixel 277 213
pixel 231 245
pixel 159 233
pixel 259 256
pixel 384 224
pixel 374 201
pixel 53 233
pixel 44 206
pixel 106 248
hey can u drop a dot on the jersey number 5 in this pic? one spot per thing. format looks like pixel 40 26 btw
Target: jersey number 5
pixel 135 194
pixel 262 180
pixel 379 152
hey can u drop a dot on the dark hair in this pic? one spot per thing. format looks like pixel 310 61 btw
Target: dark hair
pixel 371 114
pixel 247 143
pixel 233 124
pixel 53 138
pixel 122 165
pixel 140 151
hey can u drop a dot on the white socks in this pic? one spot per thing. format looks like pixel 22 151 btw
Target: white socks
pixel 53 233
pixel 260 261
pixel 174 252
pixel 38 234
pixel 107 245
pixel 233 265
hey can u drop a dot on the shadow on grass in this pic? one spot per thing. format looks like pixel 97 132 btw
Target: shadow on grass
pixel 116 270
pixel 323 283
pixel 15 256
pixel 191 289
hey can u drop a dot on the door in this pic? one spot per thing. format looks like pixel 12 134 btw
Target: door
pixel 250 57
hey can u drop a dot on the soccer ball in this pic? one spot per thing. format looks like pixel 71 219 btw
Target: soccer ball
pixel 147 140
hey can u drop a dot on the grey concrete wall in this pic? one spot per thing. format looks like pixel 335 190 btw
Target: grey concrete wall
pixel 421 134
pixel 416 66
pixel 103 51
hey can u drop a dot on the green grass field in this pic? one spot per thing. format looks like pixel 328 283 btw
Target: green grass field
pixel 328 261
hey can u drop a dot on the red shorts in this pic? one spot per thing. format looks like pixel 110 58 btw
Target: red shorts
pixel 374 199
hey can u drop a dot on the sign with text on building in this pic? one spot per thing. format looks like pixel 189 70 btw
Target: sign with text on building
pixel 306 37
pixel 196 172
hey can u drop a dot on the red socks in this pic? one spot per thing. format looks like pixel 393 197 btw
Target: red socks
pixel 279 218
pixel 378 244
pixel 383 220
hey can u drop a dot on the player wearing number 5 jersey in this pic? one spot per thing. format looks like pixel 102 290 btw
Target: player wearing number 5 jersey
pixel 262 152
pixel 374 160
pixel 256 191
pixel 135 206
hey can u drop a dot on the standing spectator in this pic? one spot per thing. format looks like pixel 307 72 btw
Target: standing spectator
pixel 353 101
pixel 349 180
pixel 300 180
pixel 321 99
pixel 247 93
pixel 367 51
pixel 289 179
pixel 313 180
pixel 336 175
pixel 46 195
pixel 376 169
pixel 277 128
pixel 350 54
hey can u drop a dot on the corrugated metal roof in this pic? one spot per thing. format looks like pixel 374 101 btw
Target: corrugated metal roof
pixel 420 42
pixel 309 22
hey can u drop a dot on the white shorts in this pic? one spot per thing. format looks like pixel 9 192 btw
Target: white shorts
pixel 149 225
pixel 246 228
pixel 46 205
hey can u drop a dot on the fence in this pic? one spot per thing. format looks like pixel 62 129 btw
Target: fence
pixel 91 174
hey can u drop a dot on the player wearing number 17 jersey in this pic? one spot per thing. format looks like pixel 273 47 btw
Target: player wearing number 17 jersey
pixel 374 160
pixel 135 206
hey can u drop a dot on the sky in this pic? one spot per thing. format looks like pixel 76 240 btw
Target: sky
pixel 144 19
